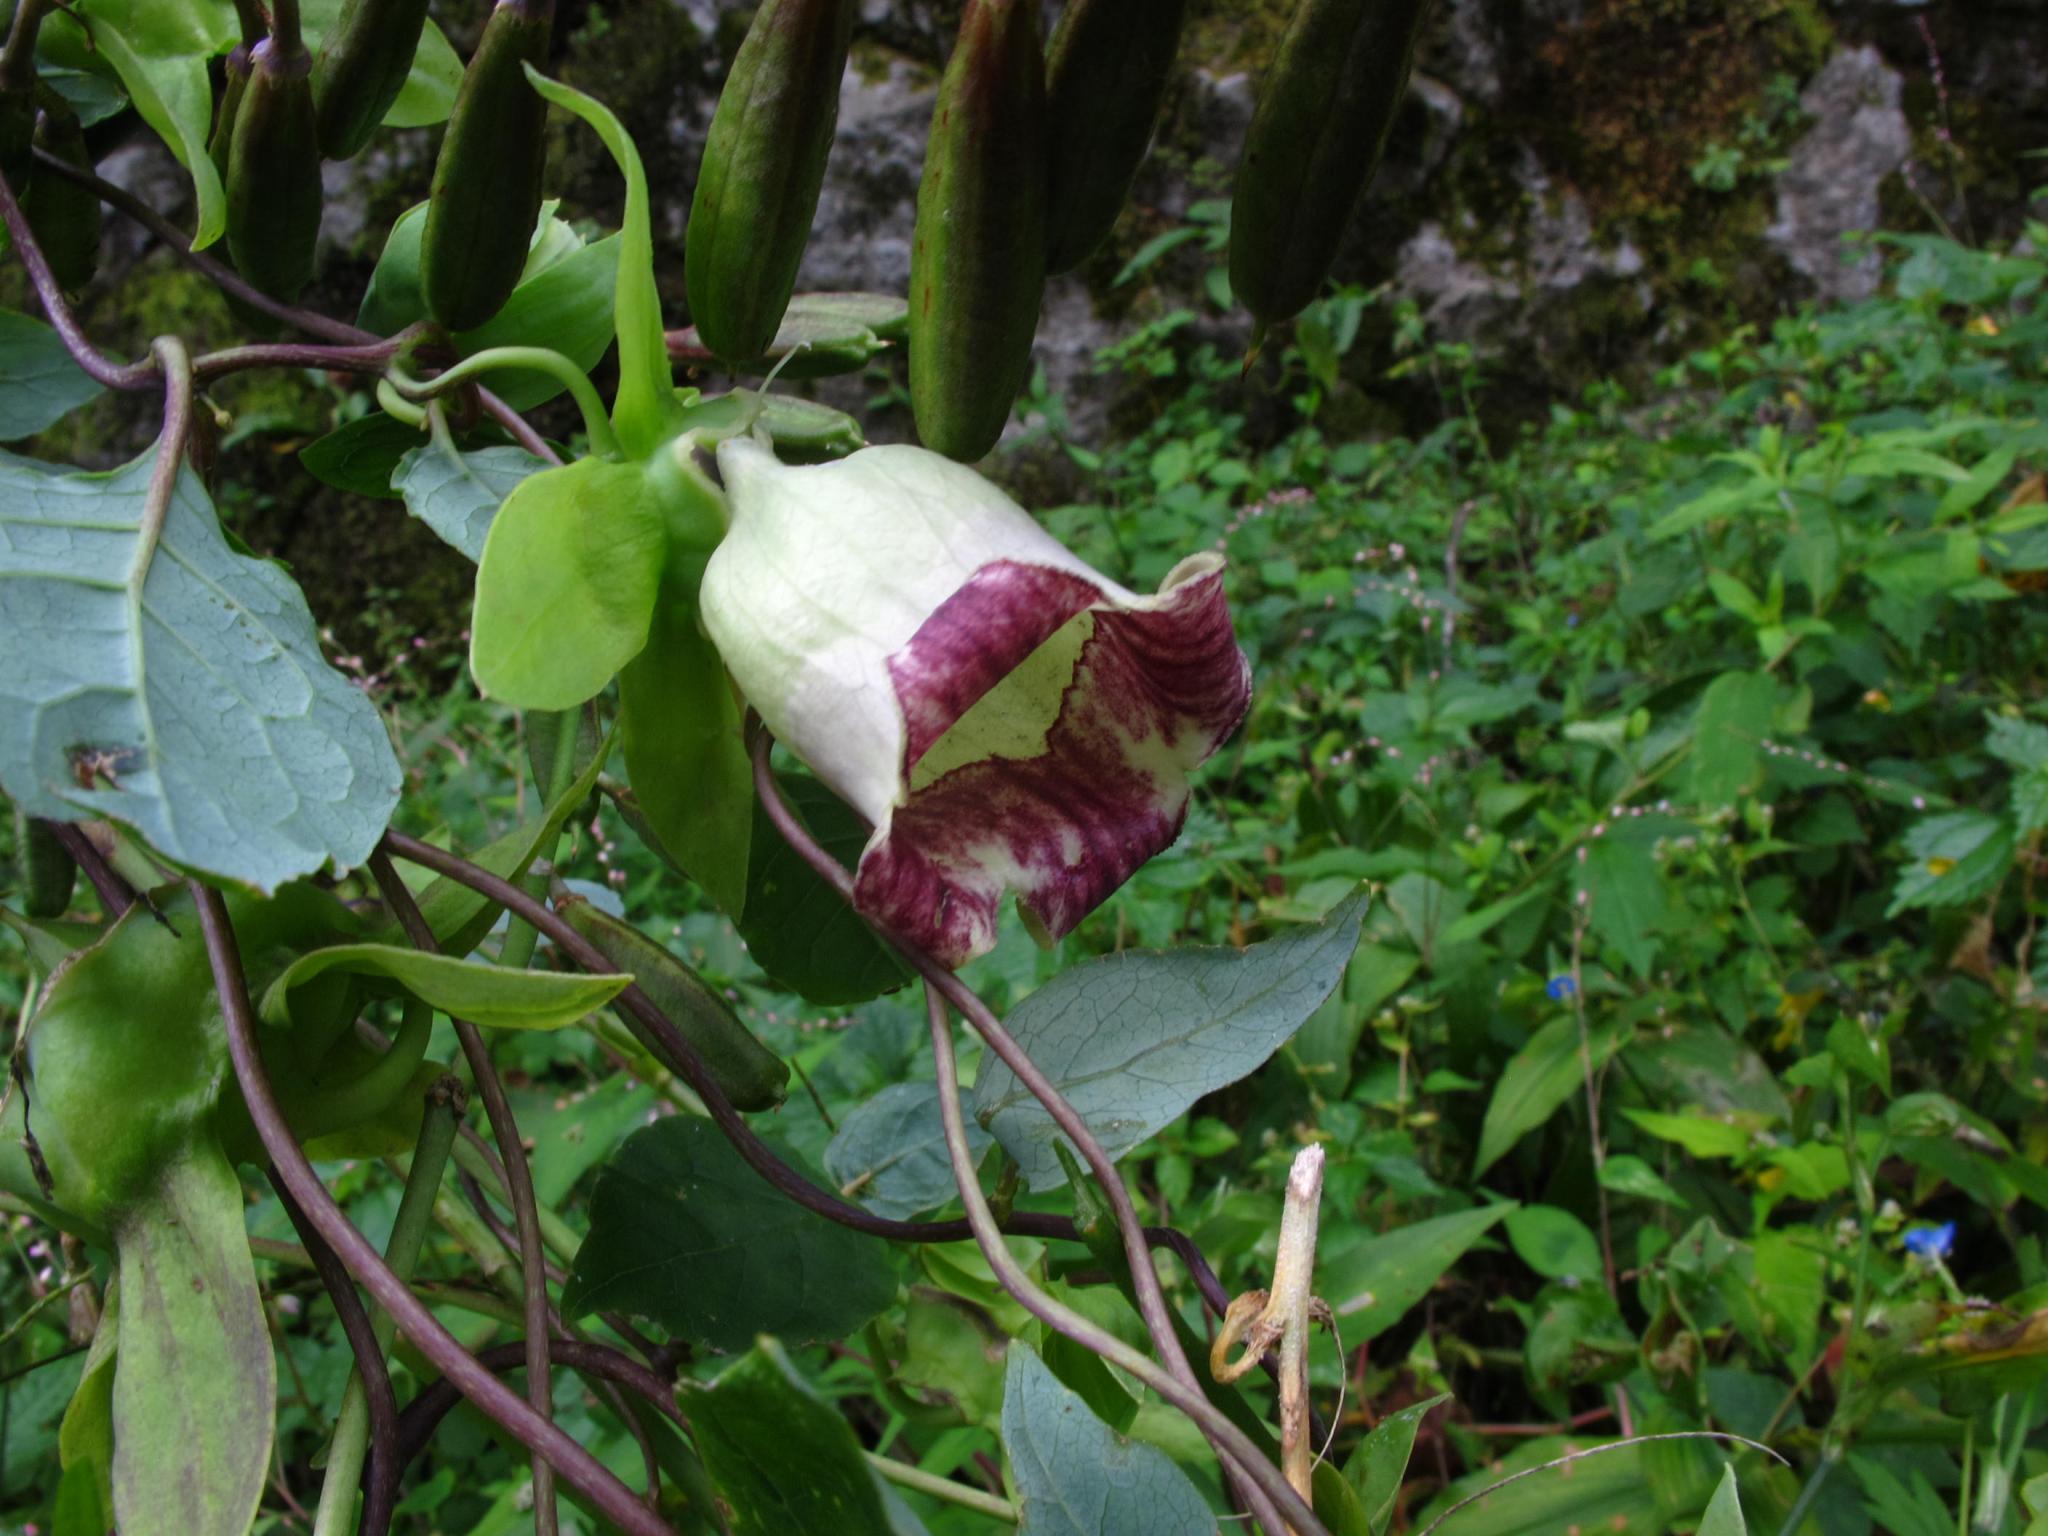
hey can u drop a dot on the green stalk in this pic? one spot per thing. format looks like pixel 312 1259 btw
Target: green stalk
pixel 555 1232
pixel 521 939
pixel 337 1512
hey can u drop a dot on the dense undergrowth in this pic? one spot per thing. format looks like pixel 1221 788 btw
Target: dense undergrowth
pixel 1689 1074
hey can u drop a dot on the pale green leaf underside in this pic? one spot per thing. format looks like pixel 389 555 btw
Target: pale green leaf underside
pixel 39 382
pixel 1133 1039
pixel 893 1148
pixel 195 1387
pixel 457 494
pixel 178 688
pixel 1076 1477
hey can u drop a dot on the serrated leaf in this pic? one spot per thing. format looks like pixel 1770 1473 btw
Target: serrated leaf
pixel 1728 736
pixel 1371 1284
pixel 2023 744
pixel 798 929
pixel 1134 1039
pixel 157 677
pixel 1623 884
pixel 40 384
pixel 682 1231
pixel 784 1460
pixel 1076 1477
pixel 195 1389
pixel 490 996
pixel 458 494
pixel 1951 860
pixel 890 1152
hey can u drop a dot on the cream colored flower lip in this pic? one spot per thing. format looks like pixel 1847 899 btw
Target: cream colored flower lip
pixel 1005 717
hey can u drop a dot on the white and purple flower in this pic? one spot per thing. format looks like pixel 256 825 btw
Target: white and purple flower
pixel 1006 718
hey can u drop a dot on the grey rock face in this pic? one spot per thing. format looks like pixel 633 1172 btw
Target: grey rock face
pixel 1830 187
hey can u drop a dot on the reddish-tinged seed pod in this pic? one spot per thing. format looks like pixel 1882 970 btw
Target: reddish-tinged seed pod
pixel 486 189
pixel 764 163
pixel 274 194
pixel 1106 74
pixel 1324 111
pixel 977 265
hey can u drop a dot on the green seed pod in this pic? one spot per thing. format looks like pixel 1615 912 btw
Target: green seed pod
pixel 48 873
pixel 65 216
pixel 360 69
pixel 220 144
pixel 274 194
pixel 1315 140
pixel 1105 76
pixel 753 1076
pixel 977 262
pixel 763 165
pixel 486 190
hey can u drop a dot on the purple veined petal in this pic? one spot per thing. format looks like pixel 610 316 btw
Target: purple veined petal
pixel 1051 724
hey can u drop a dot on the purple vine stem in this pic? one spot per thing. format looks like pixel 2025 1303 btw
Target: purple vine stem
pixel 1144 1277
pixel 380 1475
pixel 115 893
pixel 1261 1484
pixel 351 339
pixel 417 1422
pixel 518 1188
pixel 100 368
pixel 607 1495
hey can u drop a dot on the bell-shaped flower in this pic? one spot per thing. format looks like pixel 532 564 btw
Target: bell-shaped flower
pixel 1005 717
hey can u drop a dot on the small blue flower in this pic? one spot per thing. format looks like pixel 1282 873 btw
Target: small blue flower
pixel 1558 988
pixel 1571 621
pixel 1931 1243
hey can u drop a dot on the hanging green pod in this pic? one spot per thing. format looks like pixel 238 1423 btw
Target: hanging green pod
pixel 1324 112
pixel 1106 73
pixel 977 264
pixel 274 193
pixel 764 163
pixel 48 873
pixel 67 218
pixel 360 69
pixel 235 81
pixel 753 1077
pixel 486 189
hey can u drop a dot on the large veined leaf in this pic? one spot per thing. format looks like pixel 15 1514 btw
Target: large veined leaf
pixel 494 996
pixel 457 494
pixel 158 677
pixel 1133 1039
pixel 684 1232
pixel 195 1386
pixel 890 1153
pixel 40 384
pixel 784 1460
pixel 1076 1477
